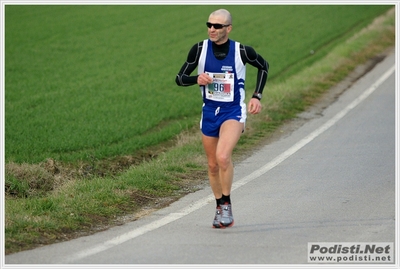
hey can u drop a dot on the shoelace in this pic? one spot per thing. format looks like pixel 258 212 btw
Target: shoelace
pixel 226 211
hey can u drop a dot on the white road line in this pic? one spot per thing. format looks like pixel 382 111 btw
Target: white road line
pixel 202 202
pixel 314 134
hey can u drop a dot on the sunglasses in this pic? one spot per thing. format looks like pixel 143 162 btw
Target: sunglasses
pixel 216 25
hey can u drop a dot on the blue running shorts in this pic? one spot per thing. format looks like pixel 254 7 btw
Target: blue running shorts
pixel 213 117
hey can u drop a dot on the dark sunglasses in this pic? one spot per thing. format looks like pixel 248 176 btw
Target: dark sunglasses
pixel 216 25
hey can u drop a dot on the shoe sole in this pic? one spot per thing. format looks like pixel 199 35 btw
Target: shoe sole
pixel 217 226
pixel 222 226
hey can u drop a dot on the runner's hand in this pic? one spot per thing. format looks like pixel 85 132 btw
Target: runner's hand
pixel 204 79
pixel 254 106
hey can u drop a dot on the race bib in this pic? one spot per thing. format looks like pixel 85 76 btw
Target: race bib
pixel 221 89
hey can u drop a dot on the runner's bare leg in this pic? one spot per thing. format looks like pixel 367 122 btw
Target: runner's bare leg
pixel 219 156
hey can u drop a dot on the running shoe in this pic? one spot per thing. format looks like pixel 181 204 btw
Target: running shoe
pixel 217 218
pixel 227 217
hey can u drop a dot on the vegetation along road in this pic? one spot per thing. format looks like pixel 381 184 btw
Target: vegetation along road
pixel 88 148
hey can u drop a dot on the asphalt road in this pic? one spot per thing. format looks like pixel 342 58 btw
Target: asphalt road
pixel 330 180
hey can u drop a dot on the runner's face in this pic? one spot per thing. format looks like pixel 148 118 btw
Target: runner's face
pixel 218 36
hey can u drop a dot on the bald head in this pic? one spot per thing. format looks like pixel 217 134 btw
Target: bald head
pixel 222 13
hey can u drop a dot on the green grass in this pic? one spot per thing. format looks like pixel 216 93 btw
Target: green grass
pixel 65 195
pixel 88 82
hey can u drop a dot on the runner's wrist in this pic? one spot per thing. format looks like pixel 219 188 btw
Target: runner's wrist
pixel 257 96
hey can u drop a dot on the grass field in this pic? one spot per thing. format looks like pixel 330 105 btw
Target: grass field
pixel 88 83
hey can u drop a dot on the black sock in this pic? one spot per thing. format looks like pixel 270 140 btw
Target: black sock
pixel 218 201
pixel 226 199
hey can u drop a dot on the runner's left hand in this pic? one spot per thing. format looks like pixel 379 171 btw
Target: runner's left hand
pixel 254 106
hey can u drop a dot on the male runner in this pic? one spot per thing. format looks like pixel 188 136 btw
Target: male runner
pixel 221 76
